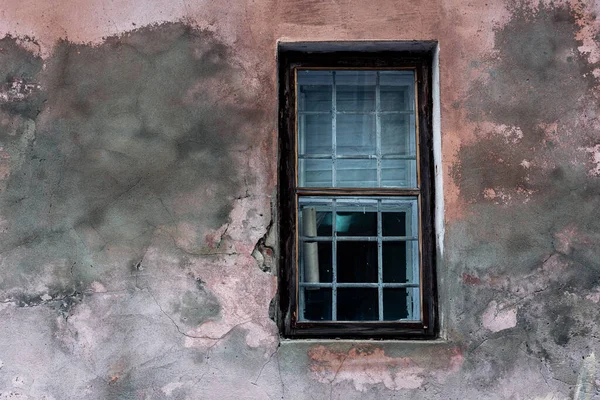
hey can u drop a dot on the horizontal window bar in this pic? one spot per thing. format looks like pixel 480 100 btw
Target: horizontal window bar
pixel 357 192
pixel 300 112
pixel 358 238
pixel 356 157
pixel 359 285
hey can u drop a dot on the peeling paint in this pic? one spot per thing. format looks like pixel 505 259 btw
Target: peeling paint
pixel 365 368
pixel 595 156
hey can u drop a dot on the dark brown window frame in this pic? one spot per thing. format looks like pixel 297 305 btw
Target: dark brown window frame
pixel 416 55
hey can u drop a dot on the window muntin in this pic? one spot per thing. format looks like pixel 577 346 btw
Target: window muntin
pixel 372 243
pixel 356 128
pixel 318 189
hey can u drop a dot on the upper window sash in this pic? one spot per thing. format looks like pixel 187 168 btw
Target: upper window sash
pixel 356 128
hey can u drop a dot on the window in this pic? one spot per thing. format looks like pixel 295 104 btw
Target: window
pixel 356 192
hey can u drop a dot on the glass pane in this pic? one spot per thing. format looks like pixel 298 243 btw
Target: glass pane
pixel 357 262
pixel 397 135
pixel 315 260
pixel 396 303
pixel 314 132
pixel 314 90
pixel 393 223
pixel 356 173
pixel 357 304
pixel 356 223
pixel 397 90
pixel 399 173
pixel 355 90
pixel 391 217
pixel 317 304
pixel 355 134
pixel 394 262
pixel 315 173
pixel 323 223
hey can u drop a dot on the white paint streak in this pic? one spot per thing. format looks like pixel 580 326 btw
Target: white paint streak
pixel 440 226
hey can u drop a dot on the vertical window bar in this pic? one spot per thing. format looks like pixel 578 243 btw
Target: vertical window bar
pixel 379 260
pixel 302 132
pixel 410 263
pixel 333 262
pixel 415 310
pixel 333 131
pixel 378 128
pixel 301 301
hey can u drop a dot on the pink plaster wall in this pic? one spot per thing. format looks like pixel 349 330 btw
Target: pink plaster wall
pixel 502 337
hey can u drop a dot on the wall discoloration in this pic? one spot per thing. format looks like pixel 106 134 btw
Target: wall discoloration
pixel 132 136
pixel 531 200
pixel 366 366
pixel 534 84
pixel 138 253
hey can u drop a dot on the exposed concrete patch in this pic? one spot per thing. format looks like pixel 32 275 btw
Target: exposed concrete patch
pixel 498 317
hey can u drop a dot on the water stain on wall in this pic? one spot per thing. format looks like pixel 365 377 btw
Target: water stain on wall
pixel 526 180
pixel 535 83
pixel 115 142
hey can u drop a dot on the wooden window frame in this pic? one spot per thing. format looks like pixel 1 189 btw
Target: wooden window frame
pixel 419 59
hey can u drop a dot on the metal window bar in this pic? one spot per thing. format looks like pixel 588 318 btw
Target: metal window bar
pixel 333 262
pixel 380 205
pixel 415 308
pixel 359 285
pixel 407 112
pixel 413 300
pixel 302 131
pixel 409 223
pixel 301 295
pixel 379 255
pixel 333 131
pixel 378 134
pixel 358 238
pixel 377 112
pixel 356 157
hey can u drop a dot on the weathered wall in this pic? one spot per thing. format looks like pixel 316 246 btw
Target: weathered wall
pixel 137 177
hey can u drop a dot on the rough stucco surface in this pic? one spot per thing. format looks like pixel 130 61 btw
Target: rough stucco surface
pixel 137 192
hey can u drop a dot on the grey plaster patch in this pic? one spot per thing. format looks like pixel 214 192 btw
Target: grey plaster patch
pixel 529 239
pixel 534 82
pixel 537 73
pixel 197 307
pixel 137 134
